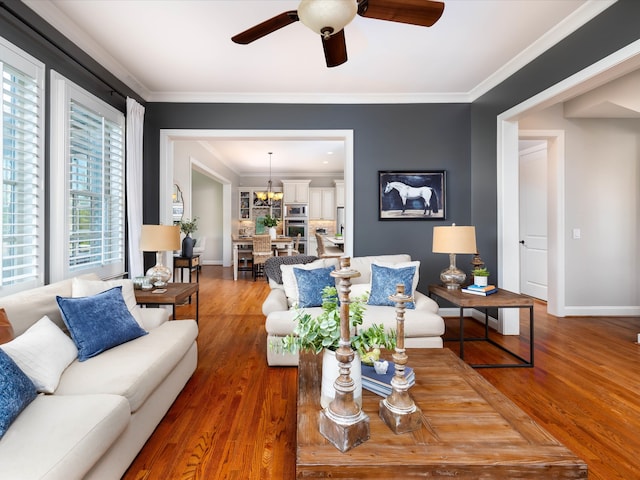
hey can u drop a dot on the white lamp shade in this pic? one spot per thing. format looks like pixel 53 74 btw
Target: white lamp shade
pixel 159 238
pixel 318 15
pixel 454 239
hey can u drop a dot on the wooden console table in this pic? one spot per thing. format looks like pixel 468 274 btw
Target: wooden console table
pixel 500 299
pixel 469 430
pixel 176 293
pixel 186 262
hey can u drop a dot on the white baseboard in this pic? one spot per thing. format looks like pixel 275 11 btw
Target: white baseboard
pixel 596 311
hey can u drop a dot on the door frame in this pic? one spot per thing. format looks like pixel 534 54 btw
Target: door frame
pixel 169 136
pixel 609 68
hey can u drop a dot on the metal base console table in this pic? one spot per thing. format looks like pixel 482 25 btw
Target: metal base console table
pixel 500 299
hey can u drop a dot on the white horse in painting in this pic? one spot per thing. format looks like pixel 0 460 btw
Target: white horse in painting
pixel 408 192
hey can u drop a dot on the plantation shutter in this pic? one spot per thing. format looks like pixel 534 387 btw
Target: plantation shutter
pixel 96 189
pixel 21 177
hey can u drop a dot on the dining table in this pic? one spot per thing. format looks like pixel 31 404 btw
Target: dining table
pixel 337 241
pixel 238 241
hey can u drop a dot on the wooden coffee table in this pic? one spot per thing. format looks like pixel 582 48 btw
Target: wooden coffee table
pixel 470 430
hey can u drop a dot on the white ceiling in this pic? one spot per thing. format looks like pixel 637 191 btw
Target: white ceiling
pixel 181 50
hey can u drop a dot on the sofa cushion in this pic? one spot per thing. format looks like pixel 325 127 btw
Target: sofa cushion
pixel 82 287
pixel 133 369
pixel 62 437
pixel 363 265
pixel 6 329
pixel 311 283
pixel 419 322
pixel 16 392
pixel 99 322
pixel 385 278
pixel 42 352
pixel 41 301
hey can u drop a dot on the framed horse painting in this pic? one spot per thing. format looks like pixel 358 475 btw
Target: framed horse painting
pixel 412 195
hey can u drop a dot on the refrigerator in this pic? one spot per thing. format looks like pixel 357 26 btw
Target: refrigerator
pixel 340 221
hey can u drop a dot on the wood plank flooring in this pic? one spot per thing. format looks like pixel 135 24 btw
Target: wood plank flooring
pixel 236 418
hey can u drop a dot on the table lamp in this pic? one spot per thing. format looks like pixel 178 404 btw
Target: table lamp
pixel 454 240
pixel 159 239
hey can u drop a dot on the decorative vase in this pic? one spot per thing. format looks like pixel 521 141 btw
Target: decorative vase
pixel 480 281
pixel 187 246
pixel 331 371
pixel 272 232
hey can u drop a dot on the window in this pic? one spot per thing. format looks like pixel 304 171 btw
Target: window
pixel 21 133
pixel 87 183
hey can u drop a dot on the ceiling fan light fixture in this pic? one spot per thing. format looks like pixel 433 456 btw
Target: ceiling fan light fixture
pixel 326 17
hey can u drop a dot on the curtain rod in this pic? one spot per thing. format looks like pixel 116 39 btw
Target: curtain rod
pixel 60 48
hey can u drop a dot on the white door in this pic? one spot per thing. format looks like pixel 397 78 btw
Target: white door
pixel 533 218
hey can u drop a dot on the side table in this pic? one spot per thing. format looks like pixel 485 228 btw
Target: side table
pixel 187 262
pixel 175 293
pixel 500 299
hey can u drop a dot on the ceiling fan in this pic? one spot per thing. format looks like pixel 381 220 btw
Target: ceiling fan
pixel 329 17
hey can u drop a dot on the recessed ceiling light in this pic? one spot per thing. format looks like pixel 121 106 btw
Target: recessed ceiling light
pixel 325 162
pixel 329 153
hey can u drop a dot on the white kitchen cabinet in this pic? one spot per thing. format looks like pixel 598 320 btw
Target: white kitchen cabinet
pixel 322 205
pixel 251 207
pixel 339 192
pixel 296 191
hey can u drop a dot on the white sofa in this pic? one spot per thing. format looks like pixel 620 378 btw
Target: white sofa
pixel 423 326
pixel 104 408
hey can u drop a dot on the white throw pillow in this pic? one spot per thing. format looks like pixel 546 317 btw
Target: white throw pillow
pixel 42 352
pixel 87 288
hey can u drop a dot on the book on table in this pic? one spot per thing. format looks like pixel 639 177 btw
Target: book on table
pixel 483 293
pixel 380 384
pixel 481 288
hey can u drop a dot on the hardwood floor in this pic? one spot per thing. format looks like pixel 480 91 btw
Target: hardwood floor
pixel 236 417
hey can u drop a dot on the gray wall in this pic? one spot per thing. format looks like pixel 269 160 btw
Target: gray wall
pixel 613 29
pixel 386 137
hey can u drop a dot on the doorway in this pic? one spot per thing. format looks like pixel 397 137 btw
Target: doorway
pixel 168 137
pixel 609 68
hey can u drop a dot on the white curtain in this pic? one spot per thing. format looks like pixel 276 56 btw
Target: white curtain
pixel 135 126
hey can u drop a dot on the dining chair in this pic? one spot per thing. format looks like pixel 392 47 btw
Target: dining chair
pixel 260 253
pixel 294 251
pixel 327 252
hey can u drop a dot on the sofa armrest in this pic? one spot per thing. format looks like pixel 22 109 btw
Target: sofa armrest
pixel 424 302
pixel 276 301
pixel 153 317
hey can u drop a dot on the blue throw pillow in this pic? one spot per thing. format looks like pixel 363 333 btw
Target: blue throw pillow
pixel 16 391
pixel 384 281
pixel 99 322
pixel 311 283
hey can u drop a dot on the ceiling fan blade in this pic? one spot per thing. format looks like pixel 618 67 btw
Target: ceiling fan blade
pixel 266 27
pixel 414 12
pixel 335 49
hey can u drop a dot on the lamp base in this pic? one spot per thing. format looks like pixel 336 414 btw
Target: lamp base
pixel 159 273
pixel 452 276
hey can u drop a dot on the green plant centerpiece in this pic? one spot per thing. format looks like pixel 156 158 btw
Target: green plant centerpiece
pixel 317 333
pixel 270 221
pixel 322 334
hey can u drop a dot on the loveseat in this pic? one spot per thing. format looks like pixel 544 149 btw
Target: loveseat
pixel 100 411
pixel 423 326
